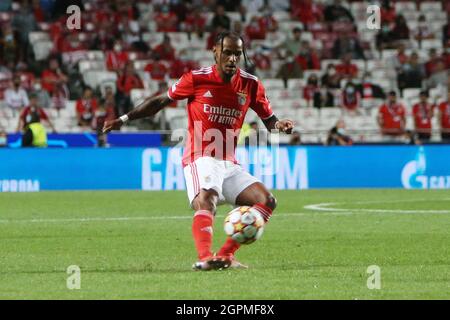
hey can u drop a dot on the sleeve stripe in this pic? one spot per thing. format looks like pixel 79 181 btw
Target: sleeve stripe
pixel 168 95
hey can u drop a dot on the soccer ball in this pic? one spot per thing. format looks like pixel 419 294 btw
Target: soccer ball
pixel 244 225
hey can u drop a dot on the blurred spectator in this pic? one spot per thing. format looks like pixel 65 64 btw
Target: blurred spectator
pixel 387 11
pixel 27 113
pixel 307 11
pixel 3 139
pixel 268 22
pixel 256 137
pixel 255 30
pixel 337 136
pixel 331 82
pixel 296 139
pixel 336 12
pixel 104 113
pixel 59 96
pixel 385 38
pixel 117 58
pixel 253 5
pixel 34 134
pixel 53 78
pixel 166 21
pixel 157 70
pixel 446 32
pixel 433 60
pixel 24 22
pixel 109 99
pixel 125 83
pixel 350 97
pixel 400 58
pixel 195 22
pixel 262 61
pixel 345 44
pixel 444 119
pixel 423 114
pixel 42 95
pixel 423 30
pixel 312 93
pixel 391 118
pixel 165 50
pixel 411 74
pixel 290 69
pixel 86 108
pixel 104 38
pixel 307 57
pixel 439 76
pixel 411 138
pixel 72 43
pixel 369 91
pixel 400 30
pixel 5 5
pixel 220 19
pixel 294 43
pixel 346 68
pixel 9 47
pixel 16 97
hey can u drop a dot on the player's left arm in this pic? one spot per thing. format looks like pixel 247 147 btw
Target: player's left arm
pixel 284 125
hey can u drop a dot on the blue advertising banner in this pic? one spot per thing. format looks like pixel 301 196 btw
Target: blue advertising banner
pixel 88 139
pixel 279 168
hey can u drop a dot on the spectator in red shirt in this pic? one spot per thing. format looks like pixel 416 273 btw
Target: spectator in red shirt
pixel 157 69
pixel 195 22
pixel 268 22
pixel 27 112
pixel 387 12
pixel 117 59
pixel 307 57
pixel 86 108
pixel 166 21
pixel 350 97
pixel 431 64
pixel 255 30
pixel 423 114
pixel 165 50
pixel 444 119
pixel 313 93
pixel 53 76
pixel 127 81
pixel 306 11
pixel 72 43
pixel 262 61
pixel 346 68
pixel 391 118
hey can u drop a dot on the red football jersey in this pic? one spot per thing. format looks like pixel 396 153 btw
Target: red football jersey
pixel 444 109
pixel 216 110
pixel 422 117
pixel 393 117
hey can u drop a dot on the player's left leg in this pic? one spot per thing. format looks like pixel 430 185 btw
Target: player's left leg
pixel 243 189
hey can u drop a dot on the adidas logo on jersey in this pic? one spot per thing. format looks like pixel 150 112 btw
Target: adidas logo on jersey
pixel 208 94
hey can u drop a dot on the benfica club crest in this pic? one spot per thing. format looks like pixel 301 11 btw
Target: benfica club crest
pixel 242 98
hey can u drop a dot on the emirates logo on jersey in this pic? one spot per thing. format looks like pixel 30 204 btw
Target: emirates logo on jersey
pixel 242 98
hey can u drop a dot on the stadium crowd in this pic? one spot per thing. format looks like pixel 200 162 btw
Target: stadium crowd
pixel 319 60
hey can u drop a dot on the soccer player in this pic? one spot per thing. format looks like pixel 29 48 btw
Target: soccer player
pixel 219 97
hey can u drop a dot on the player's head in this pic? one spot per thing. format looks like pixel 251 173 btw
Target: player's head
pixel 228 51
pixel 392 97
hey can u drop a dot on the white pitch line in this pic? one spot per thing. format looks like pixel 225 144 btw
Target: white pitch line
pixel 325 207
pixel 95 219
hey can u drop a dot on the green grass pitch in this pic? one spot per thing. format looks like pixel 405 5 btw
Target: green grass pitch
pixel 138 245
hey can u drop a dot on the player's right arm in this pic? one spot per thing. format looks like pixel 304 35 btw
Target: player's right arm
pixel 148 108
pixel 182 89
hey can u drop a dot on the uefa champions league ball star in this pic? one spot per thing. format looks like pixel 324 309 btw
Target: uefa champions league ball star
pixel 244 225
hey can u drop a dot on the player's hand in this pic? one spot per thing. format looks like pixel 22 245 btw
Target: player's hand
pixel 110 125
pixel 285 125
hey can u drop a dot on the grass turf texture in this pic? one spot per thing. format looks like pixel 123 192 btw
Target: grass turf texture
pixel 311 255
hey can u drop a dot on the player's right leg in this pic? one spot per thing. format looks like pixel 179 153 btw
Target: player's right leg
pixel 204 181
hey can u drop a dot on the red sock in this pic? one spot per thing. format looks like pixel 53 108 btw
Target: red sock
pixel 265 211
pixel 229 248
pixel 202 230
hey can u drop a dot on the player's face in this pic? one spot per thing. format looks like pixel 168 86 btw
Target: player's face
pixel 228 59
